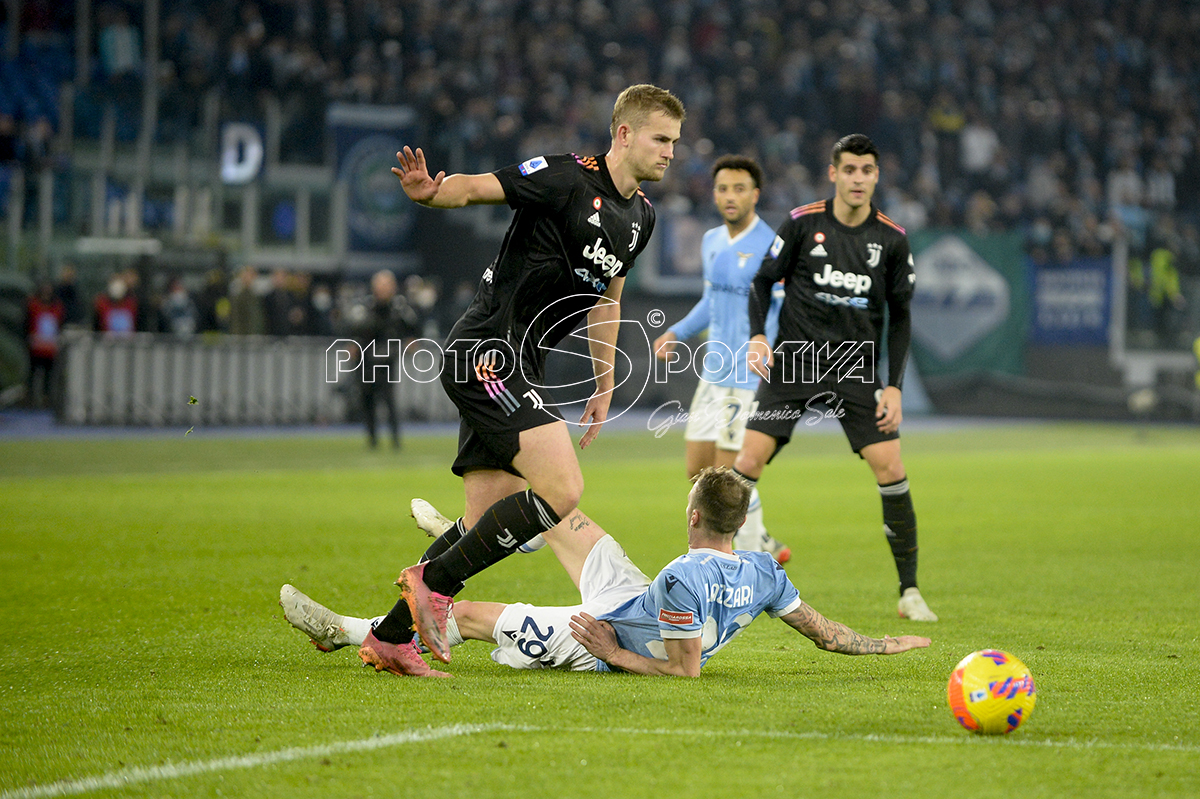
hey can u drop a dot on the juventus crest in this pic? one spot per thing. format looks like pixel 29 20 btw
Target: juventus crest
pixel 874 251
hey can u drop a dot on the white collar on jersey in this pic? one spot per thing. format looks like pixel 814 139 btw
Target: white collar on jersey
pixel 714 552
pixel 735 239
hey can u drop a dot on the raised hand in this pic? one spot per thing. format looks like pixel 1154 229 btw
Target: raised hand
pixel 414 176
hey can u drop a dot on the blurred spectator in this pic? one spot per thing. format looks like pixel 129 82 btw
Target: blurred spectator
pixel 119 45
pixel 246 315
pixel 978 145
pixel 146 297
pixel 380 328
pixel 178 313
pixel 422 296
pixel 213 302
pixel 9 139
pixel 115 310
pixel 321 313
pixel 68 294
pixel 1166 298
pixel 278 304
pixel 44 316
pixel 299 304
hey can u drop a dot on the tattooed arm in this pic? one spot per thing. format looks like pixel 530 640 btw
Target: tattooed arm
pixel 836 637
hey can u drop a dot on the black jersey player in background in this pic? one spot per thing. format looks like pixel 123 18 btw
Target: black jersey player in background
pixel 579 223
pixel 843 263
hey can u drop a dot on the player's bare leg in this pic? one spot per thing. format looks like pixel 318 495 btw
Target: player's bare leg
pixel 699 454
pixel 547 460
pixel 899 524
pixel 757 449
pixel 572 541
pixel 477 620
pixel 483 488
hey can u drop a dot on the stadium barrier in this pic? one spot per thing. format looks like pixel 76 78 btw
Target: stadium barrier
pixel 151 379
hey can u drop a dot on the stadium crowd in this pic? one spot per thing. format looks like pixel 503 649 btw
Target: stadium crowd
pixel 1070 121
pixel 1057 117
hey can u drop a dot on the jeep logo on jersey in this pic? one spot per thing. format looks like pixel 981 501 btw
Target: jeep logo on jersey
pixel 533 165
pixel 600 256
pixel 873 252
pixel 834 278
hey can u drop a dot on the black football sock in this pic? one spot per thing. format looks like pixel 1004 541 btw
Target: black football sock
pixel 751 480
pixel 500 530
pixel 445 541
pixel 900 527
pixel 396 627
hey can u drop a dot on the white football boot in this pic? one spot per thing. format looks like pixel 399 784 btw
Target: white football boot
pixel 913 607
pixel 327 630
pixel 429 518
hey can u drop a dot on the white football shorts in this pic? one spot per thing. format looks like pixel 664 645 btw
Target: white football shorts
pixel 719 414
pixel 533 637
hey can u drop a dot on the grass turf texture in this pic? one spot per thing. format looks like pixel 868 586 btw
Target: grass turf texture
pixel 140 579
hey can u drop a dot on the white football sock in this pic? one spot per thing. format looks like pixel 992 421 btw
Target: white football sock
pixel 751 535
pixel 453 636
pixel 357 629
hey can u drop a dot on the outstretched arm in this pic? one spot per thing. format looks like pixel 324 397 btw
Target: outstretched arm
pixel 597 637
pixel 439 191
pixel 834 636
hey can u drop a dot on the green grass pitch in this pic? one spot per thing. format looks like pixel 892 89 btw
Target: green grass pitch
pixel 145 655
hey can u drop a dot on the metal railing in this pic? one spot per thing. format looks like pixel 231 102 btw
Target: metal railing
pixel 151 380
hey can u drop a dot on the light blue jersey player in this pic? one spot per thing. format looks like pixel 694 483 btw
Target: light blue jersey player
pixel 625 622
pixel 705 594
pixel 724 398
pixel 730 262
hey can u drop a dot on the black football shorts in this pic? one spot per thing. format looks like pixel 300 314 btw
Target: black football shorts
pixel 780 407
pixel 494 408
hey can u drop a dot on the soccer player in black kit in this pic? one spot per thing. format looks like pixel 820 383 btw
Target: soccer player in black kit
pixel 579 223
pixel 843 263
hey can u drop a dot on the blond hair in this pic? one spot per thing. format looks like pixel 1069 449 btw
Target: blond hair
pixel 722 498
pixel 635 105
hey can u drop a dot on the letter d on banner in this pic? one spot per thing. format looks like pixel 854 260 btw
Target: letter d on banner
pixel 241 153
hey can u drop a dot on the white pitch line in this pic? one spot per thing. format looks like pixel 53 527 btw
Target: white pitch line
pixel 169 771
